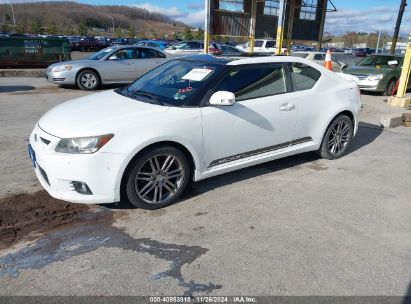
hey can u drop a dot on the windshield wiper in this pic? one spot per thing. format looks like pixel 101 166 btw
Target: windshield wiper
pixel 145 94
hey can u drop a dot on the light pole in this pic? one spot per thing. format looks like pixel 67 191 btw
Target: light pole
pixel 12 11
pixel 112 20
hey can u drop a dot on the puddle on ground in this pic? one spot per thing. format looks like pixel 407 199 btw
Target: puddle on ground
pixel 94 230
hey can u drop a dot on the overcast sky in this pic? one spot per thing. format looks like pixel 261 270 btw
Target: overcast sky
pixel 352 15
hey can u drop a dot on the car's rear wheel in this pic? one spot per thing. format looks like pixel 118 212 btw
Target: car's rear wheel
pixel 157 178
pixel 88 80
pixel 337 138
pixel 390 87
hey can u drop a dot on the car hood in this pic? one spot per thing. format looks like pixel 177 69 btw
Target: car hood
pixel 363 70
pixel 96 114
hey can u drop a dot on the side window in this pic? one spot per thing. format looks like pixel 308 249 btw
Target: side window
pixel 194 45
pixel 319 57
pixel 145 53
pixel 160 55
pixel 303 76
pixel 269 44
pixel 125 54
pixel 254 82
pixel 258 43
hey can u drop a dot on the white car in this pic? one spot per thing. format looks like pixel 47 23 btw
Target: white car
pixel 261 46
pixel 190 119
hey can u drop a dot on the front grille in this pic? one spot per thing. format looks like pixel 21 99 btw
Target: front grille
pixel 362 77
pixel 44 174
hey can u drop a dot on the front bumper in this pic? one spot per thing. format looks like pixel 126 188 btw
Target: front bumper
pixel 56 171
pixel 65 77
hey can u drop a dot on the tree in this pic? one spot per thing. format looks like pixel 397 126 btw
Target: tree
pixel 21 28
pixel 175 36
pixel 188 35
pixel 52 28
pixel 130 32
pixel 118 32
pixel 154 34
pixel 36 27
pixel 82 29
pixel 199 35
pixel 5 28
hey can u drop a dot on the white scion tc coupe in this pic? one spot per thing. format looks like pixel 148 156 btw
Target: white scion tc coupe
pixel 189 119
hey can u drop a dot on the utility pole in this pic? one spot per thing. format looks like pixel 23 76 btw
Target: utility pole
pixel 112 20
pixel 378 42
pixel 251 38
pixel 397 26
pixel 207 26
pixel 12 11
pixel 401 100
pixel 280 27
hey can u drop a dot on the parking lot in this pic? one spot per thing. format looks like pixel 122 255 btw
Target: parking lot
pixel 296 226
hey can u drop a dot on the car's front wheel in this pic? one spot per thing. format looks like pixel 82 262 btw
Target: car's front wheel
pixel 88 80
pixel 157 178
pixel 337 138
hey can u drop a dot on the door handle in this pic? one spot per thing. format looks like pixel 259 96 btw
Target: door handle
pixel 287 107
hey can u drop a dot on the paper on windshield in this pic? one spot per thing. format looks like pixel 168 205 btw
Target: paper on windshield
pixel 197 74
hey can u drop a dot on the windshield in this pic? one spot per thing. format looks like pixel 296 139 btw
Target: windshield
pixel 100 54
pixel 374 61
pixel 173 83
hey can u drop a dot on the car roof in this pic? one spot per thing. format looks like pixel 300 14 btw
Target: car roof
pixel 241 60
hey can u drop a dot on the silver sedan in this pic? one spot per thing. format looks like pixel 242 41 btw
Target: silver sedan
pixel 117 64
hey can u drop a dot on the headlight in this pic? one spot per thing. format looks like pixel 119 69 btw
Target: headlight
pixel 82 145
pixel 63 67
pixel 375 77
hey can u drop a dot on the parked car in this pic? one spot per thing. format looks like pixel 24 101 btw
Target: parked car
pixel 87 44
pixel 378 73
pixel 261 46
pixel 192 46
pixel 74 42
pixel 118 64
pixel 349 51
pixel 319 57
pixel 228 50
pixel 153 43
pixel 118 41
pixel 189 119
pixel 361 52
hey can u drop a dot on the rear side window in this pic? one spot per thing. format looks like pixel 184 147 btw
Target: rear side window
pixel 145 53
pixel 254 82
pixel 319 57
pixel 303 76
pixel 160 55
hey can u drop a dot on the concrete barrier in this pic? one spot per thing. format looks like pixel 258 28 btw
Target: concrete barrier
pixel 391 120
pixel 22 72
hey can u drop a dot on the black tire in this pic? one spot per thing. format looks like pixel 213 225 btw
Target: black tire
pixel 149 183
pixel 336 141
pixel 88 80
pixel 390 87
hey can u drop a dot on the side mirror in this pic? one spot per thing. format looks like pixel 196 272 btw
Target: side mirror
pixel 222 98
pixel 173 48
pixel 113 57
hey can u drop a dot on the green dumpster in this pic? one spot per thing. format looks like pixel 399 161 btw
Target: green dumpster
pixel 32 52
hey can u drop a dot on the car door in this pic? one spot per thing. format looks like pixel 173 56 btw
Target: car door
pixel 119 66
pixel 311 105
pixel 146 60
pixel 261 120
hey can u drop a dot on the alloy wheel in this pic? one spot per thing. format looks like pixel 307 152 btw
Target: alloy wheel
pixel 88 80
pixel 339 137
pixel 159 179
